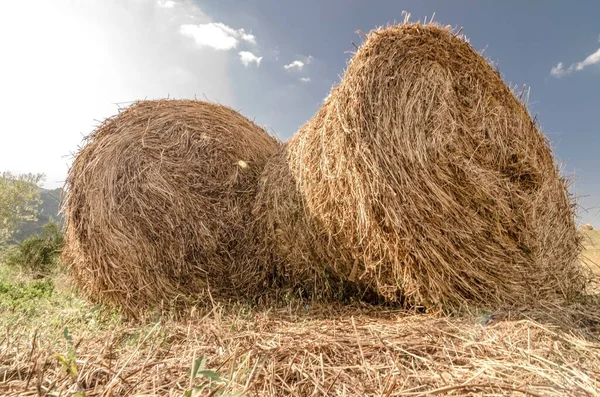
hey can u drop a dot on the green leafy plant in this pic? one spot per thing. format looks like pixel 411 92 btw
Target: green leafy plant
pixel 211 380
pixel 23 295
pixel 68 360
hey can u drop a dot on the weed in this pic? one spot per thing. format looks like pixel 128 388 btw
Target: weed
pixel 211 380
pixel 68 360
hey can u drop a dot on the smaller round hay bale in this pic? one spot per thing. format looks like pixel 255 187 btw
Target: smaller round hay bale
pixel 426 170
pixel 158 200
pixel 587 226
pixel 291 252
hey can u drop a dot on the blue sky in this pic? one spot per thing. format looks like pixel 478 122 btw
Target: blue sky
pixel 72 61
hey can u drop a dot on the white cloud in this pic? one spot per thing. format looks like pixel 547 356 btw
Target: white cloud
pixel 209 35
pixel 327 97
pixel 305 79
pixel 166 3
pixel 590 60
pixel 299 64
pixel 249 38
pixel 247 58
pixel 77 59
pixel 296 65
pixel 216 35
pixel 559 70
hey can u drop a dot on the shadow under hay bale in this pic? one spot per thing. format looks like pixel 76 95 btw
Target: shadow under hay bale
pixel 158 200
pixel 430 181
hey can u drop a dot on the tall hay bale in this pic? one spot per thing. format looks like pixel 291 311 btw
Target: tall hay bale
pixel 157 202
pixel 427 173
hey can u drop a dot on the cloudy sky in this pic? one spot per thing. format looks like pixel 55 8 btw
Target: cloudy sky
pixel 66 64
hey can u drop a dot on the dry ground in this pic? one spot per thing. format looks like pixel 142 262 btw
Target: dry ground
pixel 53 343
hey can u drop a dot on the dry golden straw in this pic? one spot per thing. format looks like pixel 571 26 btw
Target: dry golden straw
pixel 329 351
pixel 425 177
pixel 158 200
pixel 291 253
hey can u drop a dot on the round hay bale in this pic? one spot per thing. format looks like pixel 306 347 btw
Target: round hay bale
pixel 587 226
pixel 428 173
pixel 158 200
pixel 292 254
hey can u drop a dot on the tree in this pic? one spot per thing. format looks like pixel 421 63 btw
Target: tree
pixel 19 201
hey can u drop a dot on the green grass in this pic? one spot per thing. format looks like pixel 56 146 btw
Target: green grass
pixel 46 304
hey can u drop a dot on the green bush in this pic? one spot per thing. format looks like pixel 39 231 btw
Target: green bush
pixel 39 253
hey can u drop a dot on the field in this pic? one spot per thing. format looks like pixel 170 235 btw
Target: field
pixel 54 343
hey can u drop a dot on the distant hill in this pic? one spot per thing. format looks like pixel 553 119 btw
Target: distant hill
pixel 48 210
